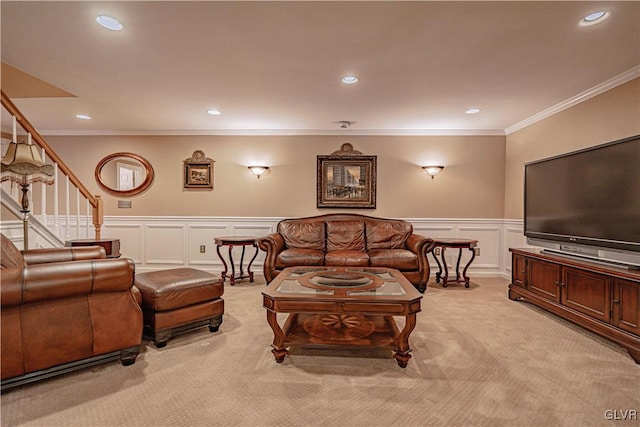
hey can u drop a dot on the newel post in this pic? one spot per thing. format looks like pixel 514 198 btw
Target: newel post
pixel 98 216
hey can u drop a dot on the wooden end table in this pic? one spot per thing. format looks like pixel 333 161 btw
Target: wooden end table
pixel 460 244
pixel 342 306
pixel 111 246
pixel 231 242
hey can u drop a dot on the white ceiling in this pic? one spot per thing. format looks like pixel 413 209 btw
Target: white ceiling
pixel 275 67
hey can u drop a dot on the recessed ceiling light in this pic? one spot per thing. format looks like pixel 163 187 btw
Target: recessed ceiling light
pixel 109 23
pixel 214 112
pixel 350 80
pixel 472 111
pixel 83 117
pixel 594 18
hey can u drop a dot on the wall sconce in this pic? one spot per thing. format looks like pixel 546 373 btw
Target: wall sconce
pixel 433 170
pixel 259 170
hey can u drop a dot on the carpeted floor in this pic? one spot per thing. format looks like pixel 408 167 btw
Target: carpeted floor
pixel 479 359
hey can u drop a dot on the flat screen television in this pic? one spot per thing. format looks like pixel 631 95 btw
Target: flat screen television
pixel 587 203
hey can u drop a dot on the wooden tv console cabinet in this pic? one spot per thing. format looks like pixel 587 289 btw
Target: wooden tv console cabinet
pixel 603 299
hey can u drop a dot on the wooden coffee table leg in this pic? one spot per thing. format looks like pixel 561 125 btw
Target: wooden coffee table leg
pixel 401 354
pixel 279 350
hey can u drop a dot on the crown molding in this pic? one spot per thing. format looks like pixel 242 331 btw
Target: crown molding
pixel 577 99
pixel 278 132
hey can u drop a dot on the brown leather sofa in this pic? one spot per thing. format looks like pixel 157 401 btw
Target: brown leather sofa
pixel 64 309
pixel 348 240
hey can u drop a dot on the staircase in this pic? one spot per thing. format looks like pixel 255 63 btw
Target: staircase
pixel 59 212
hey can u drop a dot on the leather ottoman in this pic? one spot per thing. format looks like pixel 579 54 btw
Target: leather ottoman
pixel 178 300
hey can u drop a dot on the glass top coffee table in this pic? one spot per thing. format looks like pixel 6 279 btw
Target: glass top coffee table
pixel 342 306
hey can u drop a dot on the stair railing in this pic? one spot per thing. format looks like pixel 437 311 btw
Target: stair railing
pixel 59 220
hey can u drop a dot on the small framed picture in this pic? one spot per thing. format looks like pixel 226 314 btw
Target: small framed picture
pixel 198 171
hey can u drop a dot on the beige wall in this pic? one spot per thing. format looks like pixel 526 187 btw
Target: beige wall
pixel 471 186
pixel 612 115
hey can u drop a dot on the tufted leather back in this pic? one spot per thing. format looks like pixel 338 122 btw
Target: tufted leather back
pixel 344 232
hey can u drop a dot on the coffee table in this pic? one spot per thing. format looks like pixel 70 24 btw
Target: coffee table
pixel 342 306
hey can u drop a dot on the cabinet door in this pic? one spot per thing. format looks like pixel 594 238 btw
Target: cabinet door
pixel 543 279
pixel 518 265
pixel 587 292
pixel 626 309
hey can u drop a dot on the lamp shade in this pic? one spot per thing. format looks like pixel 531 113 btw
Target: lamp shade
pixel 22 163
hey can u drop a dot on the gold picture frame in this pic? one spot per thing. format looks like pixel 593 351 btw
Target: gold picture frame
pixel 198 172
pixel 346 179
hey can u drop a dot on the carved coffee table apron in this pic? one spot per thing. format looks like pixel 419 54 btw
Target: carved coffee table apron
pixel 343 306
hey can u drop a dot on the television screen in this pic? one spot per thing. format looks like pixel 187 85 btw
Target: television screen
pixel 588 197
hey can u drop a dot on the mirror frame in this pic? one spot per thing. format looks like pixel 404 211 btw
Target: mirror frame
pixel 125 193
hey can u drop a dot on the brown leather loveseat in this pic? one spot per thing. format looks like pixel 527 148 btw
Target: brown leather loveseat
pixel 348 240
pixel 63 309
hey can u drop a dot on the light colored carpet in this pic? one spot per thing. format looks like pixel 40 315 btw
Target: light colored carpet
pixel 479 359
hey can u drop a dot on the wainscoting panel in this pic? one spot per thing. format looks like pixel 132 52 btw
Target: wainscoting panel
pixel 204 235
pixel 132 237
pixel 171 242
pixel 487 232
pixel 165 244
pixel 513 238
pixel 488 243
pixel 168 242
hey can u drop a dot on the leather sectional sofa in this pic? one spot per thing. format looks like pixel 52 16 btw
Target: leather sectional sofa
pixel 64 309
pixel 348 240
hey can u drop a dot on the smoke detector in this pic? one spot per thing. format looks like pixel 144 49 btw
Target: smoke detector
pixel 344 124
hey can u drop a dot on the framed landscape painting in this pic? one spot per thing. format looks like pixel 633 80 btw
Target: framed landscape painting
pixel 346 181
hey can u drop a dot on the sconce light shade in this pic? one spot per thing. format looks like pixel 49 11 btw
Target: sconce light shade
pixel 433 170
pixel 258 170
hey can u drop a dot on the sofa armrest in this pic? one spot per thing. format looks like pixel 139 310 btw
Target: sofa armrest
pixel 419 245
pixel 49 255
pixel 272 244
pixel 40 282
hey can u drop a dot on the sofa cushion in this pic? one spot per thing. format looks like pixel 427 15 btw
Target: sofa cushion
pixel 387 234
pixel 400 259
pixel 345 236
pixel 348 258
pixel 293 257
pixel 303 234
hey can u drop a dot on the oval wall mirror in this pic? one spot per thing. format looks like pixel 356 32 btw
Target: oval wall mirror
pixel 124 174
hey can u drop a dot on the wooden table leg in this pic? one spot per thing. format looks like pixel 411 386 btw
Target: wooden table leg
pixel 232 279
pixel 464 273
pixel 278 349
pixel 401 354
pixel 224 272
pixel 458 265
pixel 439 272
pixel 445 278
pixel 251 262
